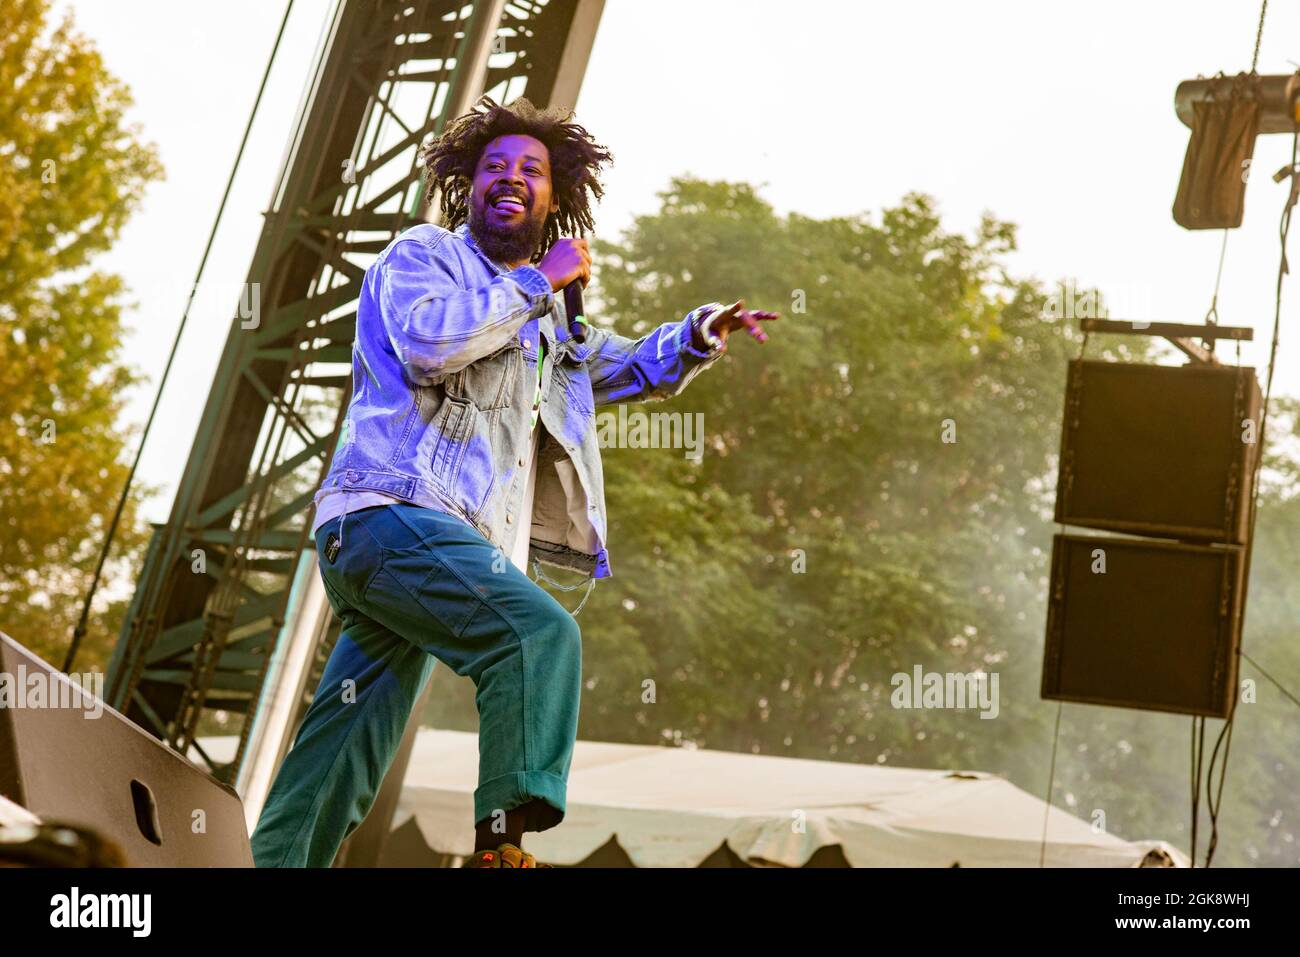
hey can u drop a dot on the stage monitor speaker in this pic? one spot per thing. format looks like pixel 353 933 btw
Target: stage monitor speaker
pixel 1140 624
pixel 1159 450
pixel 75 760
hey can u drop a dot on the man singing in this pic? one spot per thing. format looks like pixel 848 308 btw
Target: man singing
pixel 469 447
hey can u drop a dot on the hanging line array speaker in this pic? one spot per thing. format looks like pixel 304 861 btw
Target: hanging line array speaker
pixel 1142 624
pixel 1154 452
pixel 1161 451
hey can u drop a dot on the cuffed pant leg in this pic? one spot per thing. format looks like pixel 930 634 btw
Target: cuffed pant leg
pixel 528 702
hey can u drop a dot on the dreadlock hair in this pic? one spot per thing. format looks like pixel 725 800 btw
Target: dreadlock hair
pixel 450 160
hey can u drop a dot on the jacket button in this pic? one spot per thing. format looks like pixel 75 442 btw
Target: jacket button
pixel 528 344
pixel 510 519
pixel 521 461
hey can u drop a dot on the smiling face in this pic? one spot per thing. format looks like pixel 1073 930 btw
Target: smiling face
pixel 511 198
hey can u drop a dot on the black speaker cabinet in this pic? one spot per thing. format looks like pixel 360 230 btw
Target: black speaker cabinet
pixel 85 764
pixel 1159 450
pixel 1141 624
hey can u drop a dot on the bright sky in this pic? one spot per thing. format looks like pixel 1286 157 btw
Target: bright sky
pixel 1056 116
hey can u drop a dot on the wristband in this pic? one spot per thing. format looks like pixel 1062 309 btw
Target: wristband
pixel 706 331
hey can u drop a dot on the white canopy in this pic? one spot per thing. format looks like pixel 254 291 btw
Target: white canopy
pixel 673 807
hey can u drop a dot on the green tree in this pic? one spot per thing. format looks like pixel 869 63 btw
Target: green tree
pixel 876 493
pixel 72 172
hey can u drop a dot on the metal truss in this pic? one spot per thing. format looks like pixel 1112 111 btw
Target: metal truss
pixel 220 580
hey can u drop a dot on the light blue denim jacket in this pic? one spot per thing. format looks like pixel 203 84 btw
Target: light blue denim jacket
pixel 444 371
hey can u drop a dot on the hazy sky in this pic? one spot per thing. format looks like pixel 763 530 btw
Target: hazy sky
pixel 1057 116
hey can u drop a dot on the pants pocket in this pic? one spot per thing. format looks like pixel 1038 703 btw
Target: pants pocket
pixel 356 561
pixel 423 596
pixel 416 592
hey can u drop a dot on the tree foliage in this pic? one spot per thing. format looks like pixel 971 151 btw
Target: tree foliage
pixel 72 172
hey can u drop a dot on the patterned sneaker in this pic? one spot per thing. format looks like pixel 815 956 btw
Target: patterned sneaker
pixel 506 855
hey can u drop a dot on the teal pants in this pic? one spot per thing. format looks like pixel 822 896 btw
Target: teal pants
pixel 413 586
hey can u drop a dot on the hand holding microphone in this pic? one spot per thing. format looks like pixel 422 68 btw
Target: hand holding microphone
pixel 567 264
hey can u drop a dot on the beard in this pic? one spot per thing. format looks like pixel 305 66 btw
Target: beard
pixel 505 242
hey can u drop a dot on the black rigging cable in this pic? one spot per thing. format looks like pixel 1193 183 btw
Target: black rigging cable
pixel 1214 797
pixel 1213 801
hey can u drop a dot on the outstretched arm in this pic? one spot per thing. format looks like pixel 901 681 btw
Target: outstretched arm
pixel 662 363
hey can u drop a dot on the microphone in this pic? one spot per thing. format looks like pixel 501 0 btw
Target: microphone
pixel 573 309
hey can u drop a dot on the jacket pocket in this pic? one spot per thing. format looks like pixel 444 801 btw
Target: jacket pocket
pixel 463 464
pixel 490 382
pixel 454 420
pixel 575 382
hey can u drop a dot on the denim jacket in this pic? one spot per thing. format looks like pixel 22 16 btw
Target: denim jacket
pixel 444 373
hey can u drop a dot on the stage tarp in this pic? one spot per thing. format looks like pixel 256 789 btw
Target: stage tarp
pixel 673 807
